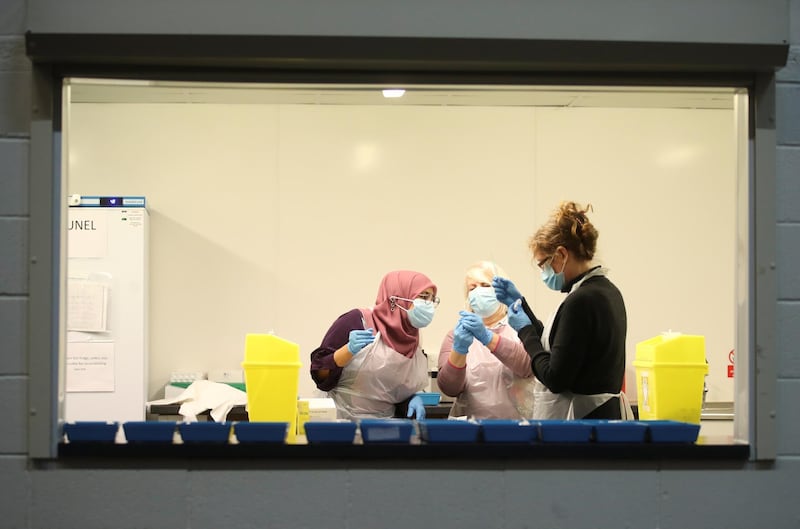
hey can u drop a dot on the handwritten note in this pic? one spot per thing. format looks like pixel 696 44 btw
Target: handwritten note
pixel 87 306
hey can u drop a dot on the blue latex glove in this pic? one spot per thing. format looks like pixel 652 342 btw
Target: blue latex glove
pixel 505 291
pixel 416 408
pixel 517 317
pixel 462 339
pixel 474 324
pixel 359 339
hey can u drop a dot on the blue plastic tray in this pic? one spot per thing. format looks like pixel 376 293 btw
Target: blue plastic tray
pixel 90 431
pixel 149 431
pixel 557 431
pixel 261 432
pixel 386 430
pixel 672 431
pixel 342 432
pixel 619 431
pixel 430 399
pixel 205 432
pixel 448 431
pixel 508 431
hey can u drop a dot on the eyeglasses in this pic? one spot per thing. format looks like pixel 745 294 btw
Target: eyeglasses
pixel 425 297
pixel 544 261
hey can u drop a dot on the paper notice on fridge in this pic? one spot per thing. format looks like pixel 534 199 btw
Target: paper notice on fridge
pixel 87 235
pixel 90 366
pixel 87 306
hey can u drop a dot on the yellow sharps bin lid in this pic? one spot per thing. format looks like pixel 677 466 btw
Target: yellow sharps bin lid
pixel 672 348
pixel 268 348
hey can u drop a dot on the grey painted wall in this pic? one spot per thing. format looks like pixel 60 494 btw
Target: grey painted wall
pixel 196 496
pixel 625 20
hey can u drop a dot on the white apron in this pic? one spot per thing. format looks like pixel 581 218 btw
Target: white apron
pixel 568 405
pixel 492 390
pixel 376 379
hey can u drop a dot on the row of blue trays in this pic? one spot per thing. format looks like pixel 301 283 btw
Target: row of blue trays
pixel 504 431
pixel 164 431
pixel 376 431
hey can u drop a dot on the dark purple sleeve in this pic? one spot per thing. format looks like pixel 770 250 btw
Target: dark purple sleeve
pixel 322 356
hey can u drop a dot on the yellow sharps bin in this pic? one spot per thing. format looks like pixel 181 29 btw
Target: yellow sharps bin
pixel 271 376
pixel 670 375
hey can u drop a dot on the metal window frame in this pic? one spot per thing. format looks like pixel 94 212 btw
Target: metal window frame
pixel 362 59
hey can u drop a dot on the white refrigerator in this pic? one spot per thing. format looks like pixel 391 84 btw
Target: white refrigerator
pixel 105 367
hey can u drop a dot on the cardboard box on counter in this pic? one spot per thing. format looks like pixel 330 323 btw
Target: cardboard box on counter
pixel 314 409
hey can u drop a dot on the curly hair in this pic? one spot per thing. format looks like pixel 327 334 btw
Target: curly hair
pixel 570 227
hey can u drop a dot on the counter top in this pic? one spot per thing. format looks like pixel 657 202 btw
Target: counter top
pixel 706 449
pixel 717 411
pixel 238 413
pixel 713 411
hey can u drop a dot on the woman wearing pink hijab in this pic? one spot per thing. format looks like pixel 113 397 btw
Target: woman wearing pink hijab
pixel 370 360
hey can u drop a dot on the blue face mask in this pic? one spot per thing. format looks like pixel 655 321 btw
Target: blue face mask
pixel 483 301
pixel 551 279
pixel 421 314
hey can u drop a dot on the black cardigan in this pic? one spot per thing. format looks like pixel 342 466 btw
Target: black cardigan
pixel 587 341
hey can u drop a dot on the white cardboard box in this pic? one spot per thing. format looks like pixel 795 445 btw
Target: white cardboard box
pixel 320 409
pixel 314 409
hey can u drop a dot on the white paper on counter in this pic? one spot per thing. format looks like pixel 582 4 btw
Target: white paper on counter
pixel 202 395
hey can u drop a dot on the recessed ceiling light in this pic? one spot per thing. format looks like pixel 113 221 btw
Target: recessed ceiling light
pixel 394 92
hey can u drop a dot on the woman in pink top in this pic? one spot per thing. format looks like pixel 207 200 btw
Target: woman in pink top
pixel 482 362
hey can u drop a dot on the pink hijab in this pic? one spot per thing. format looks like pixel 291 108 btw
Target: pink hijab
pixel 393 325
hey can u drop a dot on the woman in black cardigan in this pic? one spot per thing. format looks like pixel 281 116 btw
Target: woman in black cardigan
pixel 578 356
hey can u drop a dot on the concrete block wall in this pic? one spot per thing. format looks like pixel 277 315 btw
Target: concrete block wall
pixel 180 495
pixel 788 244
pixel 15 76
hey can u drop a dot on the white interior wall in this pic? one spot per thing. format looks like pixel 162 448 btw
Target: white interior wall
pixel 663 184
pixel 281 217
